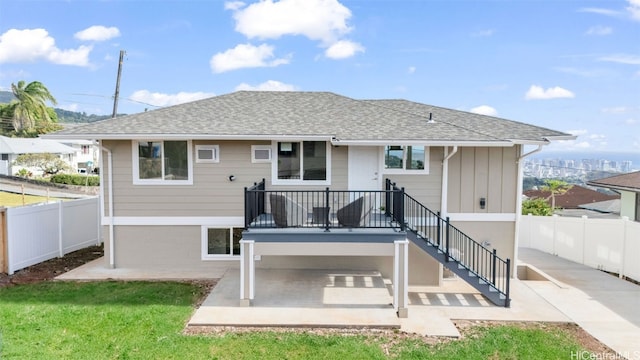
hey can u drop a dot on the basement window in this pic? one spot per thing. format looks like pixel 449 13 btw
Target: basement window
pixel 221 243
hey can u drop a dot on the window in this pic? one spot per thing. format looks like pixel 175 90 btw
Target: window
pixel 220 243
pixel 162 162
pixel 302 162
pixel 260 153
pixel 406 159
pixel 207 153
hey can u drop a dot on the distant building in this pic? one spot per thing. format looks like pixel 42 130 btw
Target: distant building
pixel 628 185
pixel 578 201
pixel 11 148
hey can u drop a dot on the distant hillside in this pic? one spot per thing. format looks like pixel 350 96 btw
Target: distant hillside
pixel 64 116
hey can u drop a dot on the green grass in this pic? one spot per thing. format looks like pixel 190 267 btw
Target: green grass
pixel 10 199
pixel 144 320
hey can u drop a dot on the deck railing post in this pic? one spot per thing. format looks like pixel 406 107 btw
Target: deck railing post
pixel 387 198
pixel 507 300
pixel 325 212
pixel 494 266
pixel 247 211
pixel 401 210
pixel 446 239
pixel 439 229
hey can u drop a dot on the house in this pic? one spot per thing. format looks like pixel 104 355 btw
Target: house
pixel 388 185
pixel 628 185
pixel 578 201
pixel 11 148
pixel 86 155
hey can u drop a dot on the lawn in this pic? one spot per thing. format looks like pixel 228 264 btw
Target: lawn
pixel 8 199
pixel 145 320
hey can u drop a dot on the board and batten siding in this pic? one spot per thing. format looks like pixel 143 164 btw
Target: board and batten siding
pixel 483 172
pixel 212 194
pixel 426 188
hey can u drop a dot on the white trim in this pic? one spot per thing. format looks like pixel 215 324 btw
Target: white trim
pixel 255 148
pixel 217 221
pixel 274 166
pixel 136 167
pixel 482 217
pixel 215 156
pixel 396 275
pixel 252 270
pixel 405 244
pixel 405 171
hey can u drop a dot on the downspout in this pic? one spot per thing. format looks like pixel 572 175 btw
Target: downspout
pixel 445 180
pixel 519 187
pixel 112 256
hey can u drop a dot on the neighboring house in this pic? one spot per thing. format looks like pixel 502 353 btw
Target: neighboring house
pixel 86 155
pixel 11 148
pixel 175 182
pixel 575 198
pixel 628 185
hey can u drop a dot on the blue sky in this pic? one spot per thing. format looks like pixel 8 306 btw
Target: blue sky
pixel 564 64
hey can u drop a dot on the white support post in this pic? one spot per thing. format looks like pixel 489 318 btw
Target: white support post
pixel 401 278
pixel 247 272
pixel 60 219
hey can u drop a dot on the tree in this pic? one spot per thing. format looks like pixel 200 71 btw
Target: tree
pixel 48 163
pixel 555 187
pixel 29 111
pixel 537 206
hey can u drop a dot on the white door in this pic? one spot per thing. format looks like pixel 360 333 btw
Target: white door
pixel 364 168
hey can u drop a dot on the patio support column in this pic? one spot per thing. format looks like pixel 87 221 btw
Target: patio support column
pixel 401 278
pixel 247 272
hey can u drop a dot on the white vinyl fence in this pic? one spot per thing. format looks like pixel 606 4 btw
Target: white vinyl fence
pixel 607 244
pixel 41 232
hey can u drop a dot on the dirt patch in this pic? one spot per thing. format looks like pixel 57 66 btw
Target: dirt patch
pixel 49 269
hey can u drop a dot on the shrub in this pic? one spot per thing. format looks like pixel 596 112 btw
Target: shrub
pixel 74 179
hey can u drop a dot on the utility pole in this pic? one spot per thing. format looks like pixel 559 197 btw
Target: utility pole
pixel 117 95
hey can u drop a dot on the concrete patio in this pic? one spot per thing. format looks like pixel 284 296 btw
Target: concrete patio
pixel 555 290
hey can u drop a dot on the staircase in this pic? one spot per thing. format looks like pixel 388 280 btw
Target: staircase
pixel 471 261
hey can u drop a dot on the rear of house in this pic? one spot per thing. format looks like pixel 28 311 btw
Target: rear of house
pixel 175 181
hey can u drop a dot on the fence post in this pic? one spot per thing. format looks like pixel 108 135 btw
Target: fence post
pixel 446 239
pixel 60 226
pixel 4 248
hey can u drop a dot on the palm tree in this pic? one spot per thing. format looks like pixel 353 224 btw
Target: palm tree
pixel 30 107
pixel 555 187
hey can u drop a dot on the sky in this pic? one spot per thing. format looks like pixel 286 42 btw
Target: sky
pixel 568 65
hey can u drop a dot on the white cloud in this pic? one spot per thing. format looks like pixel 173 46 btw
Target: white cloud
pixel 324 20
pixel 270 85
pixel 536 92
pixel 245 56
pixel 484 110
pixel 616 110
pixel 31 45
pixel 577 132
pixel 601 11
pixel 411 69
pixel 343 49
pixel 160 99
pixel 599 30
pixel 483 33
pixel 631 122
pixel 97 33
pixel 622 59
pixel 70 107
pixel 634 9
pixel 233 5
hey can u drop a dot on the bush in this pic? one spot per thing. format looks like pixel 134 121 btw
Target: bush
pixel 537 207
pixel 74 179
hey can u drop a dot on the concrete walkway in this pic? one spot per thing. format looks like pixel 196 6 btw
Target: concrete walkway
pixel 606 307
pixel 561 291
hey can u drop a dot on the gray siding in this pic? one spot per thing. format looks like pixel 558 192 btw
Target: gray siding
pixel 212 194
pixel 483 172
pixel 425 188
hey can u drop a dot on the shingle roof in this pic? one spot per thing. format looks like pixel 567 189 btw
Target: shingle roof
pixel 269 114
pixel 629 181
pixel 577 196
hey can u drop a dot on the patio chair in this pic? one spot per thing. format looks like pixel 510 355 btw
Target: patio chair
pixel 287 212
pixel 351 214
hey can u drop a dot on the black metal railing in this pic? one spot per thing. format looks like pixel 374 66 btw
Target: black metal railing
pixel 456 246
pixel 321 208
